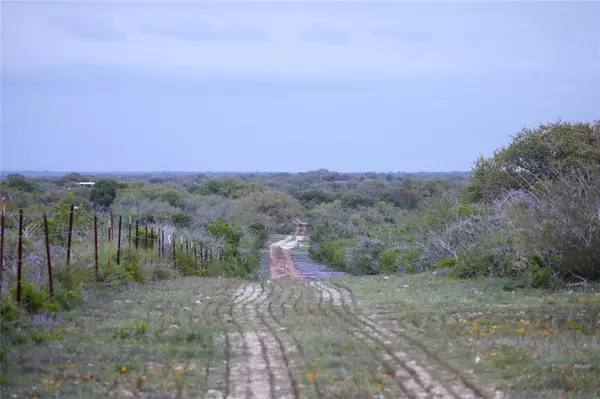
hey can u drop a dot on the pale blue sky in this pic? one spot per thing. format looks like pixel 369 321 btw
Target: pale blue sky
pixel 273 86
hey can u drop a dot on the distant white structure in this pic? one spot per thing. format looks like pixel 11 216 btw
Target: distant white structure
pixel 300 229
pixel 86 183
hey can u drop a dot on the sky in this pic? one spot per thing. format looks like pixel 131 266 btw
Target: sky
pixel 287 86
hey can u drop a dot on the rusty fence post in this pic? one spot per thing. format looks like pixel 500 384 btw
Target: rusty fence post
pixel 119 243
pixel 157 238
pixel 146 235
pixel 110 223
pixel 70 235
pixel 48 256
pixel 201 257
pixel 129 236
pixel 158 242
pixel 2 226
pixel 20 257
pixel 162 249
pixel 96 247
pixel 195 258
pixel 174 254
pixel 137 235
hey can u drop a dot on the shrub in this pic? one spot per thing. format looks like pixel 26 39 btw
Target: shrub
pixel 332 253
pixel 67 300
pixel 389 260
pixel 363 258
pixel 186 265
pixel 161 274
pixel 73 277
pixel 182 220
pixel 134 272
pixel 446 263
pixel 32 299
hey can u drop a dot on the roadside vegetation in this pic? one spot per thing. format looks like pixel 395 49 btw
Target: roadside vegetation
pixel 495 270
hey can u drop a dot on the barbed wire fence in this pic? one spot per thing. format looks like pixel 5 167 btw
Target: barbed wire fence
pixel 37 245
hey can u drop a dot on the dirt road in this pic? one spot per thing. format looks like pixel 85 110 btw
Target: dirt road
pixel 282 264
pixel 269 359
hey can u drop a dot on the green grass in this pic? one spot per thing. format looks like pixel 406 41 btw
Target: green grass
pixel 346 338
pixel 148 338
pixel 534 343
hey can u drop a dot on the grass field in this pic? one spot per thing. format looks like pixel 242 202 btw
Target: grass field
pixel 372 337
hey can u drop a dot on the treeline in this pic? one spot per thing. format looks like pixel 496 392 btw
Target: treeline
pixel 530 212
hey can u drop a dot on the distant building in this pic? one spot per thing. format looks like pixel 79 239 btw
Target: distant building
pixel 86 183
pixel 300 228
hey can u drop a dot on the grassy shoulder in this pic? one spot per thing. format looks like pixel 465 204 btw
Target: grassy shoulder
pixel 536 343
pixel 158 337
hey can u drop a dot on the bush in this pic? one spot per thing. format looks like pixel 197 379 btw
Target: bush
pixel 134 272
pixel 182 220
pixel 73 277
pixel 161 274
pixel 446 263
pixel 332 253
pixel 67 300
pixel 15 328
pixel 363 258
pixel 389 260
pixel 186 265
pixel 32 299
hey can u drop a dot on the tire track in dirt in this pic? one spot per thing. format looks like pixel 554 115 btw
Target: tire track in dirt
pixel 260 298
pixel 252 369
pixel 293 342
pixel 212 380
pixel 279 334
pixel 449 377
pixel 461 385
pixel 285 266
pixel 269 368
pixel 326 315
pixel 304 314
pixel 238 371
pixel 418 381
pixel 281 377
pixel 391 371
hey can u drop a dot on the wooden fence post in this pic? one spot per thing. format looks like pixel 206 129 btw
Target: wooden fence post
pixel 174 254
pixel 2 225
pixel 110 223
pixel 96 247
pixel 48 256
pixel 119 243
pixel 20 257
pixel 70 235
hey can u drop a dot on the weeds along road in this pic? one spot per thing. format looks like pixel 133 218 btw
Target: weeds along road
pixel 224 338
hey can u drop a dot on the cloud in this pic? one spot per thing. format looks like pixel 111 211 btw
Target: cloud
pixel 95 29
pixel 199 31
pixel 324 34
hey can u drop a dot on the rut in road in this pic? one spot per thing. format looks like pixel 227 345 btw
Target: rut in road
pixel 265 357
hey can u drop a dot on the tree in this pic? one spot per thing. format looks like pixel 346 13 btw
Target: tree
pixel 19 182
pixel 273 208
pixel 534 155
pixel 104 192
pixel 69 178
